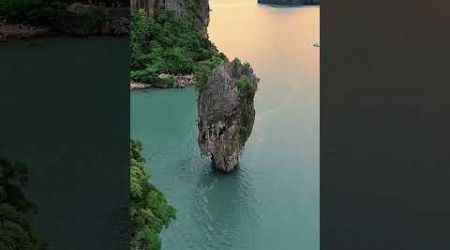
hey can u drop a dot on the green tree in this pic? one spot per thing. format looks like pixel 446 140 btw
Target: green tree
pixel 204 68
pixel 166 43
pixel 16 211
pixel 149 210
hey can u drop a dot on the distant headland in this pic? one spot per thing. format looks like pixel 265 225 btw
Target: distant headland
pixel 290 2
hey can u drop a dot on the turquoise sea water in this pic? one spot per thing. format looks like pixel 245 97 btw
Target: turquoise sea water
pixel 272 201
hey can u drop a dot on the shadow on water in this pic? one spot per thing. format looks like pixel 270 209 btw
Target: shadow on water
pixel 72 134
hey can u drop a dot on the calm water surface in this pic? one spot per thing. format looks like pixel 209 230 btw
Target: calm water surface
pixel 70 127
pixel 272 201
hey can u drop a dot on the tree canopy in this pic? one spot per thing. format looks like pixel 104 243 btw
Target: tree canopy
pixel 149 210
pixel 167 43
pixel 16 211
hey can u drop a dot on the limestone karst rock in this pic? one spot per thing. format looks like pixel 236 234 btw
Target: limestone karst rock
pixel 226 113
pixel 197 11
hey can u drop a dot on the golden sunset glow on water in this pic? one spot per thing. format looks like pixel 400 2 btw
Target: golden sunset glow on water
pixel 256 32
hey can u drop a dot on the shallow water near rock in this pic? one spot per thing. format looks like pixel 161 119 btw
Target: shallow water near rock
pixel 272 200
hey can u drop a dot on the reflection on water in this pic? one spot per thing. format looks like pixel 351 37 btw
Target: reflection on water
pixel 272 201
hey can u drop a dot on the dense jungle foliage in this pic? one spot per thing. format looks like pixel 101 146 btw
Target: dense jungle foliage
pixel 149 210
pixel 166 43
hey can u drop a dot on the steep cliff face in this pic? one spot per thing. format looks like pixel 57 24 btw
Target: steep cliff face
pixel 290 2
pixel 226 113
pixel 196 11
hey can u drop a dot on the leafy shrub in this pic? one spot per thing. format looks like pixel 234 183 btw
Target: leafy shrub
pixel 245 84
pixel 166 43
pixel 96 16
pixel 169 81
pixel 143 76
pixel 16 211
pixel 204 68
pixel 179 61
pixel 149 210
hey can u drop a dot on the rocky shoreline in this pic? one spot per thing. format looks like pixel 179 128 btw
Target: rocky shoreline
pixel 139 86
pixel 21 31
pixel 165 81
pixel 74 20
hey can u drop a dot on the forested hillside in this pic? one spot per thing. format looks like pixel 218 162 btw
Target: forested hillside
pixel 149 210
pixel 167 42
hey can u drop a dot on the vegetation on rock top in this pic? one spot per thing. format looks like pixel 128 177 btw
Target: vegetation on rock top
pixel 226 113
pixel 204 68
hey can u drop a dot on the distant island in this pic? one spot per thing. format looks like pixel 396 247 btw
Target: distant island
pixel 290 2
pixel 21 19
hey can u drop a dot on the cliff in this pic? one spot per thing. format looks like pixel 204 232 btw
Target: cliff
pixel 226 113
pixel 290 2
pixel 197 11
pixel 62 18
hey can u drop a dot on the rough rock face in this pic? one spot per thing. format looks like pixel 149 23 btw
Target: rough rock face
pixel 290 2
pixel 226 113
pixel 195 10
pixel 83 19
pixel 8 31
